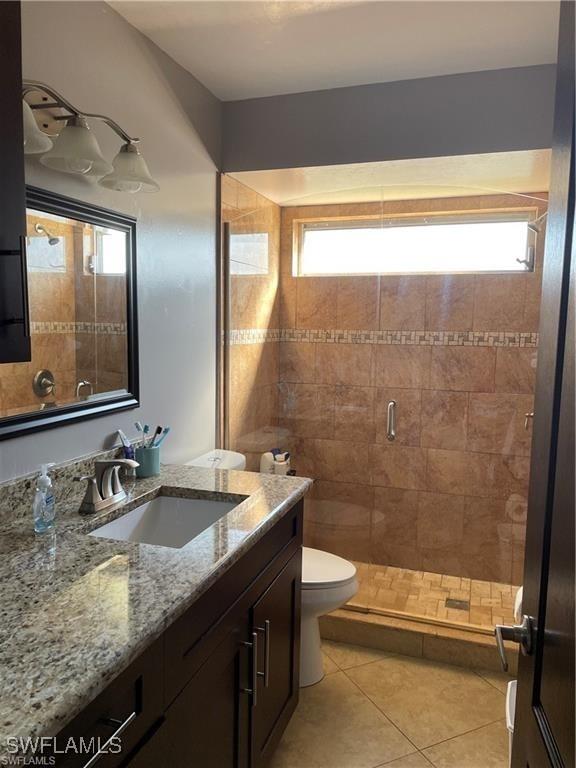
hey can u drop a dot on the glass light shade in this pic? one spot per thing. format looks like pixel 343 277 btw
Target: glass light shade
pixel 130 172
pixel 76 150
pixel 35 142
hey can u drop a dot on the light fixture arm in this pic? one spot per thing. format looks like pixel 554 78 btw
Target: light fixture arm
pixel 61 102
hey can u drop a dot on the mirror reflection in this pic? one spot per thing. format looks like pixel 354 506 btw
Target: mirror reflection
pixel 77 286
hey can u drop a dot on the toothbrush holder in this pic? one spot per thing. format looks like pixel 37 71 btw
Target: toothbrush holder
pixel 149 461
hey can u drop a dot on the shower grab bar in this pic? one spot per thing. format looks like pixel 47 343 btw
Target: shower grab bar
pixel 391 421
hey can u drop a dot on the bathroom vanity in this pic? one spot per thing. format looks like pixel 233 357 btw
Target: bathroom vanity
pixel 189 654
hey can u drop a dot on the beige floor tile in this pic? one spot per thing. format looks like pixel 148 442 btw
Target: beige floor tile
pixel 336 726
pixel 346 656
pixel 485 748
pixel 417 760
pixel 428 701
pixel 499 680
pixel 329 665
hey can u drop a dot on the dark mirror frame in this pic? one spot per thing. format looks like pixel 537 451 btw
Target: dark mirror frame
pixel 51 202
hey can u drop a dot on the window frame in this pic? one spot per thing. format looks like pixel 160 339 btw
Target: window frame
pixel 417 218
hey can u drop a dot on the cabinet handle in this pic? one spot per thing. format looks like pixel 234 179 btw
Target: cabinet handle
pixel 25 301
pixel 391 421
pixel 123 724
pixel 254 690
pixel 266 674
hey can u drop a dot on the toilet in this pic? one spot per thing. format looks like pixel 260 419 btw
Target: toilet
pixel 219 459
pixel 328 582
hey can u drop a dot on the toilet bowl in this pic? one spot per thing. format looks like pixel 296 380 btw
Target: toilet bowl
pixel 328 582
pixel 219 459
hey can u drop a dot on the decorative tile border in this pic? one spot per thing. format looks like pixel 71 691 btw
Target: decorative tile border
pixel 112 329
pixel 407 338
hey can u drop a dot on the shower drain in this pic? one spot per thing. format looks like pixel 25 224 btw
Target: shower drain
pixel 459 605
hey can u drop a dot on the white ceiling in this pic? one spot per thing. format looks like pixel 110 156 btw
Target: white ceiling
pixel 242 49
pixel 520 172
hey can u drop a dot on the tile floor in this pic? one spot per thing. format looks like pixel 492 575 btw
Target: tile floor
pixel 390 590
pixel 376 709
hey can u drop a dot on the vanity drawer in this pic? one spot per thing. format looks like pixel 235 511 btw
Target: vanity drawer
pixel 129 707
pixel 190 640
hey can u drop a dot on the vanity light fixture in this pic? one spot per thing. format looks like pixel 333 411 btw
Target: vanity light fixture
pixel 35 142
pixel 130 172
pixel 75 149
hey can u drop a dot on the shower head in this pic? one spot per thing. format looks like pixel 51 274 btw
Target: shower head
pixel 534 226
pixel 41 229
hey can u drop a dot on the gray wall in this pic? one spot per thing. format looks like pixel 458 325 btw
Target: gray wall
pixel 102 64
pixel 495 111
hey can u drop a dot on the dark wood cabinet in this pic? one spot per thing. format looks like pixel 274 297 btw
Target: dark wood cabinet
pixel 276 622
pixel 208 723
pixel 218 688
pixel 14 315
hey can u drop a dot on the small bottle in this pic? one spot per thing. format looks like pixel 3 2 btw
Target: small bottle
pixel 267 463
pixel 44 507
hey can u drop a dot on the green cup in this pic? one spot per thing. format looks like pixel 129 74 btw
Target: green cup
pixel 149 462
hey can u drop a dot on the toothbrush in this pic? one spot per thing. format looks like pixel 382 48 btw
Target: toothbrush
pixel 164 436
pixel 157 433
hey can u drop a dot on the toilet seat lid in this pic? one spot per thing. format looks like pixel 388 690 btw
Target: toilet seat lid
pixel 321 570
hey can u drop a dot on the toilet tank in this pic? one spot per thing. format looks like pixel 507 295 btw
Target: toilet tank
pixel 219 459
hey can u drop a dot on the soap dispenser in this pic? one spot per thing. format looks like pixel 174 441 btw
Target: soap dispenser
pixel 44 508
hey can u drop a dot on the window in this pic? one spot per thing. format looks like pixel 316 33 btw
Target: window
pixel 495 242
pixel 110 252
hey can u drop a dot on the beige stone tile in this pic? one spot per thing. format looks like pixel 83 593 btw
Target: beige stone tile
pixel 358 303
pixel 416 760
pixel 307 410
pixel 468 369
pixel 398 466
pixel 287 301
pixel 444 419
pixel 440 523
pixel 316 302
pixel 367 631
pixel 499 680
pixel 401 366
pixel 343 364
pixel 516 370
pixel 486 747
pixel 354 414
pixel 472 655
pixel 402 303
pixel 342 461
pixel 408 406
pixel 346 656
pixel 477 474
pixel 336 726
pixel 499 302
pixel 427 701
pixel 297 361
pixel 496 423
pixel 449 303
pixel 329 666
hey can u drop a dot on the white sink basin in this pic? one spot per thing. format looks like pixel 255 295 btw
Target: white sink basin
pixel 166 521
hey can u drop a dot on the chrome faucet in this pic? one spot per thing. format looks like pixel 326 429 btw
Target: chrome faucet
pixel 104 488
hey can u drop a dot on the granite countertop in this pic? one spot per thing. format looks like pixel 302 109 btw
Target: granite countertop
pixel 75 610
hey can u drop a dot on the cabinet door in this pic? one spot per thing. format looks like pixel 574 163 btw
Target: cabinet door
pixel 14 319
pixel 208 724
pixel 276 620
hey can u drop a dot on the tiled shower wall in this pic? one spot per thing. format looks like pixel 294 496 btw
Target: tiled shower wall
pixel 456 352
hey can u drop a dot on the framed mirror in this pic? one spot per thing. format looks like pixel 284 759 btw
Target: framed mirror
pixel 81 266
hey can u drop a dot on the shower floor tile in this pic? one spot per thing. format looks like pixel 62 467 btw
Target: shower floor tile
pixel 438 598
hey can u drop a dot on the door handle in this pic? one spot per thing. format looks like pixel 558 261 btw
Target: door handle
pixel 121 727
pixel 518 633
pixel 391 421
pixel 527 417
pixel 253 692
pixel 266 674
